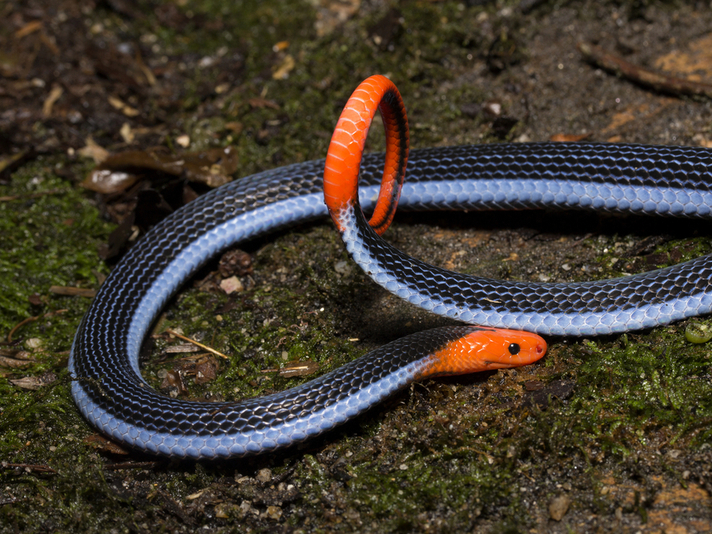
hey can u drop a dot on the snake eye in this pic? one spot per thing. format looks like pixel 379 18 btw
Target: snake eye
pixel 514 348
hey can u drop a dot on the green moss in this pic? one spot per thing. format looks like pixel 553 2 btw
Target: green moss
pixel 50 234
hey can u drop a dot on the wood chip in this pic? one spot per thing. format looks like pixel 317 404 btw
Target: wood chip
pixel 182 348
pixel 124 108
pixel 54 95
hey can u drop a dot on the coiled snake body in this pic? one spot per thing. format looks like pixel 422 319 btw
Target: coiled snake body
pixel 109 390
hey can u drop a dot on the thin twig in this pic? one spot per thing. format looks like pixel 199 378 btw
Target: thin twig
pixel 10 198
pixel 648 78
pixel 29 320
pixel 32 467
pixel 194 342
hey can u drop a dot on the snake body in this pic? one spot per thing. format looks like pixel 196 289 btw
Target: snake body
pixel 109 390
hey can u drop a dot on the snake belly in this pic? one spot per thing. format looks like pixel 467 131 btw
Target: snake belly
pixel 111 394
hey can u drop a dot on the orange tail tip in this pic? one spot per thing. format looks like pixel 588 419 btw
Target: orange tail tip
pixel 485 349
pixel 343 160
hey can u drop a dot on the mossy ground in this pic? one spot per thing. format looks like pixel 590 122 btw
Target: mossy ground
pixel 622 428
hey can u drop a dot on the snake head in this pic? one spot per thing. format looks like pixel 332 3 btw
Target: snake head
pixel 485 349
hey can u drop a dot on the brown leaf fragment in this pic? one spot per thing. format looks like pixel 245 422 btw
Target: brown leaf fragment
pixel 106 182
pixel 118 238
pixel 104 445
pixel 206 371
pixel 213 167
pixel 68 291
pixel 534 385
pixel 120 171
pixel 174 381
pixel 34 382
pixel 262 103
pixel 542 396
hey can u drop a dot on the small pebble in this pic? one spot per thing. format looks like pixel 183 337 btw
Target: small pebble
pixel 33 343
pixel 274 512
pixel 559 506
pixel 264 475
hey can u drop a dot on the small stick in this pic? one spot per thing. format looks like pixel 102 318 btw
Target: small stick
pixel 194 342
pixel 29 320
pixel 32 467
pixel 648 78
pixel 10 198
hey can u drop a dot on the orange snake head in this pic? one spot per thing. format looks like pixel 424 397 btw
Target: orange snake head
pixel 485 349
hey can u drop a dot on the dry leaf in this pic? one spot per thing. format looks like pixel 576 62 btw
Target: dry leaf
pixel 34 382
pixel 120 171
pixel 15 359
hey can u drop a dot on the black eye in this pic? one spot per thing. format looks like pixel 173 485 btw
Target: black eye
pixel 514 348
